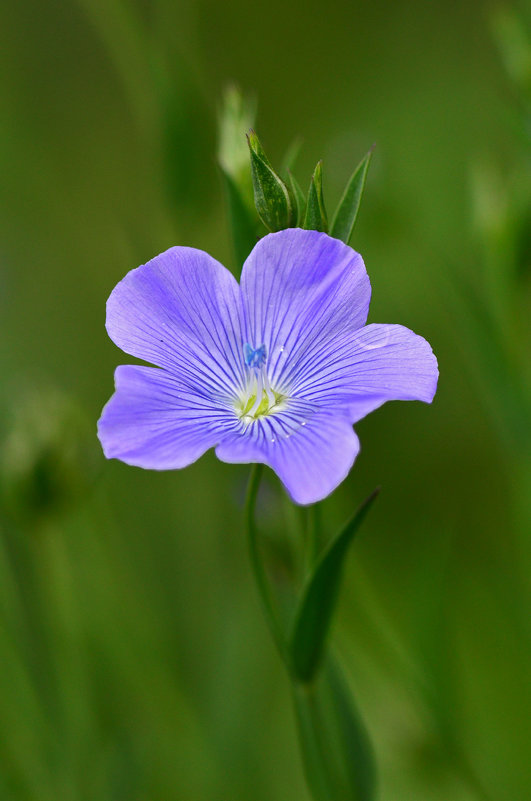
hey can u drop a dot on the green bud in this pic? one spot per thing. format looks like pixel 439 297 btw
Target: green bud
pixel 316 218
pixel 236 116
pixel 48 454
pixel 271 196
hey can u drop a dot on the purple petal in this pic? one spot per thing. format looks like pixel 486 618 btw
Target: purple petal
pixel 153 421
pixel 300 289
pixel 311 451
pixel 365 369
pixel 181 311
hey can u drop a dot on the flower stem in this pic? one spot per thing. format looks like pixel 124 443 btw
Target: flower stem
pixel 314 531
pixel 258 565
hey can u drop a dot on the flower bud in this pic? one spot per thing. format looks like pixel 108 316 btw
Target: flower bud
pixel 271 195
pixel 48 456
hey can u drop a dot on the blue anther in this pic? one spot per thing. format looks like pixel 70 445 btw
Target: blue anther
pixel 254 358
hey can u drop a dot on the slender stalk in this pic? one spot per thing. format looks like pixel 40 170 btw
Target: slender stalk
pixel 258 565
pixel 314 532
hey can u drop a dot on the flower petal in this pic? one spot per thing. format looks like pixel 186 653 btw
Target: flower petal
pixel 181 311
pixel 365 369
pixel 153 421
pixel 311 451
pixel 300 289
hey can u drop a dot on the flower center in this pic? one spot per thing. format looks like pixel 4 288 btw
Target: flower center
pixel 259 398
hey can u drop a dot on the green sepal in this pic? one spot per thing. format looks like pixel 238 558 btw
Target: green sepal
pixel 315 218
pixel 316 607
pixel 271 195
pixel 348 207
pixel 336 752
pixel 299 200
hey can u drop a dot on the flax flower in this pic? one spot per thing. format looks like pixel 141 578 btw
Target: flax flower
pixel 276 369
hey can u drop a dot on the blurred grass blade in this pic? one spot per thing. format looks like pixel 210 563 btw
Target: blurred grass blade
pixel 348 207
pixel 336 752
pixel 312 620
pixel 298 198
pixel 243 225
pixel 271 196
pixel 290 157
pixel 315 218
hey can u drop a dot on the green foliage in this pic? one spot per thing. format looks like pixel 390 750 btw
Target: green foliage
pixel 314 615
pixel 299 199
pixel 337 756
pixel 335 749
pixel 315 217
pixel 346 213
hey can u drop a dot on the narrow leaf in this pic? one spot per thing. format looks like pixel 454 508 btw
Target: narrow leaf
pixel 243 222
pixel 315 218
pixel 314 614
pixel 348 207
pixel 336 752
pixel 271 196
pixel 298 198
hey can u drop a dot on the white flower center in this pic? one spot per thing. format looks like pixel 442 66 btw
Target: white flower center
pixel 259 398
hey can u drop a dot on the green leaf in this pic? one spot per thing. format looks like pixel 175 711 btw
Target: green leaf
pixel 348 207
pixel 271 196
pixel 315 218
pixel 337 756
pixel 298 198
pixel 312 620
pixel 243 223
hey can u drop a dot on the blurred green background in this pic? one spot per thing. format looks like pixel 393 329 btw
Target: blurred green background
pixel 134 660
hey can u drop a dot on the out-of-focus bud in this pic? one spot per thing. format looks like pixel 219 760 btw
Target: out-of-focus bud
pixel 236 117
pixel 271 195
pixel 48 454
pixel 513 38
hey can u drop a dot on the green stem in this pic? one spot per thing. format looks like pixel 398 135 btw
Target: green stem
pixel 314 531
pixel 258 565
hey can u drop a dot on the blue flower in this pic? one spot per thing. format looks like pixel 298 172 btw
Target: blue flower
pixel 274 370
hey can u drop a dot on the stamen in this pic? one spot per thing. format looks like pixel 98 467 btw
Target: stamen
pixel 259 393
pixel 259 398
